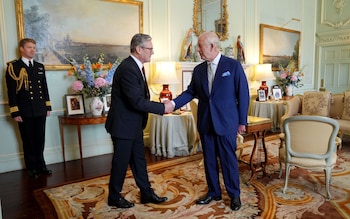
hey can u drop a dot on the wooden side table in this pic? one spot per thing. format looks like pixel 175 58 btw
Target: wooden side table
pixel 257 126
pixel 78 121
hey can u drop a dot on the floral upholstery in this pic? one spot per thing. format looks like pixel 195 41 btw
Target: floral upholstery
pixel 346 110
pixel 337 107
pixel 316 103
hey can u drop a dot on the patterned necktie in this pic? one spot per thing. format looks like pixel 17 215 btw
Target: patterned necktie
pixel 210 75
pixel 146 85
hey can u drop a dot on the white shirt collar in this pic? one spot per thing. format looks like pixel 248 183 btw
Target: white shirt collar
pixel 217 59
pixel 138 62
pixel 26 61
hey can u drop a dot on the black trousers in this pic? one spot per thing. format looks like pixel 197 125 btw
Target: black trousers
pixel 32 131
pixel 128 152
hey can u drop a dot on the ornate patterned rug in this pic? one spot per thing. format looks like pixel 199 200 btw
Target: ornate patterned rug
pixel 182 180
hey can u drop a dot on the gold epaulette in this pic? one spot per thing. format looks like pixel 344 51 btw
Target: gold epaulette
pixel 8 63
pixel 21 79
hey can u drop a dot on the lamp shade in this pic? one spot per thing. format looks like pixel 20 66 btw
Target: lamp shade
pixel 263 72
pixel 165 73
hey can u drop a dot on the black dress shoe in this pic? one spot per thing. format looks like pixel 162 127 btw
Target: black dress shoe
pixel 33 174
pixel 45 171
pixel 152 198
pixel 120 203
pixel 207 199
pixel 235 204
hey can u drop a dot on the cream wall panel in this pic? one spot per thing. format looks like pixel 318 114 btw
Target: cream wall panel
pixel 344 76
pixel 167 21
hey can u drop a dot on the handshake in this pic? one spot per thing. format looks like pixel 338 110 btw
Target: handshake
pixel 169 106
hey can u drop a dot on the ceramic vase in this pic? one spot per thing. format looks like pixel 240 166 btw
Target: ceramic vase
pixel 96 106
pixel 289 90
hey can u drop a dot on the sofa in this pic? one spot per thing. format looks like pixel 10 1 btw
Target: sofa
pixel 322 103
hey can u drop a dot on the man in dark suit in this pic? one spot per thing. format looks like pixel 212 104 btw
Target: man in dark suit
pixel 127 117
pixel 221 87
pixel 29 105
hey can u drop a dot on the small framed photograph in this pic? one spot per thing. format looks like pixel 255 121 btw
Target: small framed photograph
pixel 75 104
pixel 261 95
pixel 107 102
pixel 277 94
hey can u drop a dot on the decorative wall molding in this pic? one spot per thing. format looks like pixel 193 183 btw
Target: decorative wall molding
pixel 332 13
pixel 334 37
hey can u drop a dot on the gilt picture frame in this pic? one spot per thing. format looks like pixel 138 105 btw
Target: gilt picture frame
pixel 279 46
pixel 75 104
pixel 63 30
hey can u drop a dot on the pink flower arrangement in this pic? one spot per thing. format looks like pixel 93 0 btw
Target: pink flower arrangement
pixel 93 79
pixel 289 76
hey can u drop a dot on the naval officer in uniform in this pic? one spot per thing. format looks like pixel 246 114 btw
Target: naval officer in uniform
pixel 29 105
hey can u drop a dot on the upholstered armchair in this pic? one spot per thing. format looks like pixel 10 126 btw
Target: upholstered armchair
pixel 310 144
pixel 317 103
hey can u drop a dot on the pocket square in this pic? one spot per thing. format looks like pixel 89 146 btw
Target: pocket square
pixel 225 74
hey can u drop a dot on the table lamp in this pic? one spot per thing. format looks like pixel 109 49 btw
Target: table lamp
pixel 165 74
pixel 263 72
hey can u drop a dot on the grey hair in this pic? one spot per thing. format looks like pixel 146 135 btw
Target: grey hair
pixel 138 40
pixel 212 38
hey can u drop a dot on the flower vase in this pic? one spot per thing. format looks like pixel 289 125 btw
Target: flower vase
pixel 288 90
pixel 96 106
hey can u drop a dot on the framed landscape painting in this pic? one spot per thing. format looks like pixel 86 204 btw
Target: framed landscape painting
pixel 279 46
pixel 72 29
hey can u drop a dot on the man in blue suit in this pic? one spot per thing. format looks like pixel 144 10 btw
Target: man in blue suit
pixel 221 87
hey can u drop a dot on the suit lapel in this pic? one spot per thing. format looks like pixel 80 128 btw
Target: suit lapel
pixel 146 90
pixel 204 77
pixel 218 73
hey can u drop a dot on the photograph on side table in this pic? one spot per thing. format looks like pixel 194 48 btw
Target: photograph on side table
pixel 277 94
pixel 106 103
pixel 75 104
pixel 261 95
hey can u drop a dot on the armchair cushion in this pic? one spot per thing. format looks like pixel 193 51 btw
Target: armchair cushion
pixel 346 109
pixel 316 103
